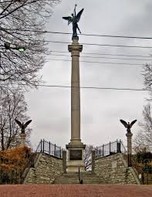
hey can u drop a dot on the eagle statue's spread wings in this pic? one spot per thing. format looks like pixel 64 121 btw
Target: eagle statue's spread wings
pixel 127 125
pixel 23 125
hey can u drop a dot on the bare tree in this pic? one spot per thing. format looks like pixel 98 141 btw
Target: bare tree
pixel 143 138
pixel 22 45
pixel 148 76
pixel 88 157
pixel 11 106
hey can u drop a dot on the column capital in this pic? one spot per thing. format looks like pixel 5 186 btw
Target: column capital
pixel 129 134
pixel 75 47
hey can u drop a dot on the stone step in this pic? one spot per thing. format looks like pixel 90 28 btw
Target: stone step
pixel 73 178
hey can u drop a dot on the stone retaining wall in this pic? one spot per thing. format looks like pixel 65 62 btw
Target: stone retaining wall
pixel 113 169
pixel 45 170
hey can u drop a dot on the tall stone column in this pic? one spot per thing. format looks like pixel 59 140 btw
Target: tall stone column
pixel 129 148
pixel 75 50
pixel 75 147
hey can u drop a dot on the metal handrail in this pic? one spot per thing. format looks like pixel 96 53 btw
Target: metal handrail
pixel 110 148
pixel 49 148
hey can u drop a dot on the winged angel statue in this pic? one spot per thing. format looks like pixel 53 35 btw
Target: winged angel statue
pixel 74 19
pixel 23 125
pixel 128 125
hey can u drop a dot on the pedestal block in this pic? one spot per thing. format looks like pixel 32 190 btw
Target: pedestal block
pixel 22 139
pixel 75 157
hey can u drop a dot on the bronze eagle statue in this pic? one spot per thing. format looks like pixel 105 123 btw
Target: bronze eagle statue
pixel 23 125
pixel 128 125
pixel 74 19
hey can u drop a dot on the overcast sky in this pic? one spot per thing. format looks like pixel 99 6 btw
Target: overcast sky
pixel 101 110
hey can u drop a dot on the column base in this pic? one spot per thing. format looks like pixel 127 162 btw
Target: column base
pixel 75 156
pixel 75 166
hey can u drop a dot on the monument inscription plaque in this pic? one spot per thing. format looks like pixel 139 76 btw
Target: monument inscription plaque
pixel 75 154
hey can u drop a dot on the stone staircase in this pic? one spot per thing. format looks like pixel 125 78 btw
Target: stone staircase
pixel 73 178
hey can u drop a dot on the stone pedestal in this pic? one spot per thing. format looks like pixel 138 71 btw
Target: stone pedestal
pixel 75 157
pixel 129 148
pixel 22 139
pixel 75 147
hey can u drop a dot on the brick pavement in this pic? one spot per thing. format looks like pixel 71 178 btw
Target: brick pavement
pixel 75 190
